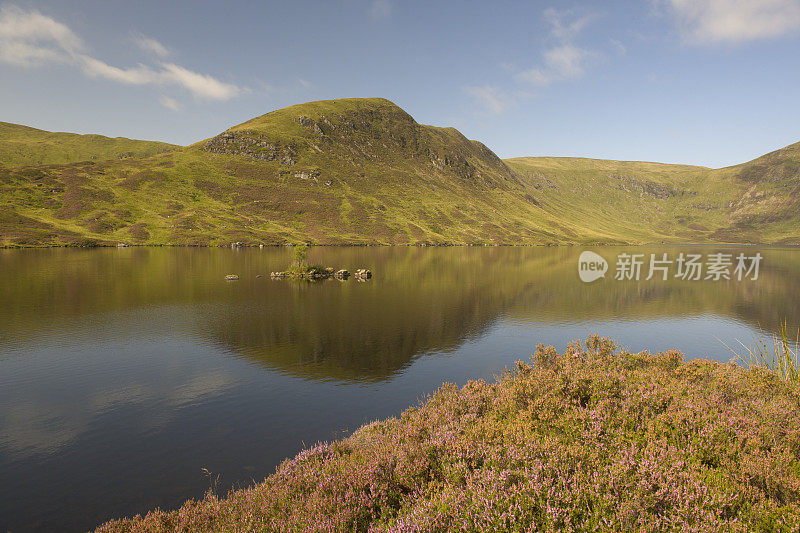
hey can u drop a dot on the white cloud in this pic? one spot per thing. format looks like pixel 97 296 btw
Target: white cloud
pixel 564 61
pixel 150 45
pixel 491 98
pixel 140 75
pixel 169 103
pixel 561 27
pixel 30 39
pixel 561 63
pixel 380 9
pixel 201 85
pixel 735 21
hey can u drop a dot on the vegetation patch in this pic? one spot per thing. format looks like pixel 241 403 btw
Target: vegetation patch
pixel 301 270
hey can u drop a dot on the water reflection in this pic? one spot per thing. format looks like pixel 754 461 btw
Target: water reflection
pixel 124 372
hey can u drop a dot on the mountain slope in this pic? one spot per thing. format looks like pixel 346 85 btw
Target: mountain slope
pixel 755 202
pixel 22 145
pixel 344 171
pixel 363 171
pixel 766 204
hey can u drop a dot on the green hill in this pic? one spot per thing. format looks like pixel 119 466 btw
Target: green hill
pixel 363 171
pixel 630 201
pixel 22 145
pixel 345 171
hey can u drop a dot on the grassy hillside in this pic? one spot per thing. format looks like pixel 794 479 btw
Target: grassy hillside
pixel 767 200
pixel 594 439
pixel 619 200
pixel 343 171
pixel 21 145
pixel 362 171
pixel 631 201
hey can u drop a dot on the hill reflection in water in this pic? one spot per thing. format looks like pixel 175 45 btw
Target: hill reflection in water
pixel 125 372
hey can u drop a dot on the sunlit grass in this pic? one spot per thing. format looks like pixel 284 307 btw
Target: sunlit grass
pixel 778 354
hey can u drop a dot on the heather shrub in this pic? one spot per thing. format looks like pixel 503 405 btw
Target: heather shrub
pixel 589 440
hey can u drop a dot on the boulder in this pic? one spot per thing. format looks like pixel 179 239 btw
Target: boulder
pixel 363 273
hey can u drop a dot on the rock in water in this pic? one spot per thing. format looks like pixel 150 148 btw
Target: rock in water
pixel 363 274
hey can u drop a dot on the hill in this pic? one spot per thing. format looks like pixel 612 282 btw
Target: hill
pixel 22 145
pixel 363 171
pixel 345 171
pixel 636 202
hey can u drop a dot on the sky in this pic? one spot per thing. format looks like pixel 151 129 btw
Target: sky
pixel 707 82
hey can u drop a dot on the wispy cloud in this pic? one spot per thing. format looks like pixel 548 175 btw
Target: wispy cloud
pixel 169 103
pixel 95 68
pixel 150 45
pixel 567 24
pixel 735 21
pixel 31 39
pixel 491 98
pixel 380 9
pixel 28 38
pixel 201 85
pixel 565 60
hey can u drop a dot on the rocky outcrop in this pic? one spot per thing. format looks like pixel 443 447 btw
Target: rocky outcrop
pixel 309 123
pixel 644 187
pixel 250 145
pixel 308 175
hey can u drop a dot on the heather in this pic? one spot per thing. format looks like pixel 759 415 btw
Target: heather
pixel 594 439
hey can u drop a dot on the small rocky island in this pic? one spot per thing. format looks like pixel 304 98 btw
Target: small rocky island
pixel 316 273
pixel 300 269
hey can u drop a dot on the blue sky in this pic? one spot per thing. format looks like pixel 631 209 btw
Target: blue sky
pixel 710 82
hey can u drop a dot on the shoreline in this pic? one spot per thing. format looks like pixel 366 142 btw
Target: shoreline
pixel 379 245
pixel 591 438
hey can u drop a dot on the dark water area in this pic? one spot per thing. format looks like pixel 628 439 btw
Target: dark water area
pixel 128 375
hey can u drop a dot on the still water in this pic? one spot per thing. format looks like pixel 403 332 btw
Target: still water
pixel 128 375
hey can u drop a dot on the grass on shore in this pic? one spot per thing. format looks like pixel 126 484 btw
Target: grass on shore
pixel 594 439
pixel 782 359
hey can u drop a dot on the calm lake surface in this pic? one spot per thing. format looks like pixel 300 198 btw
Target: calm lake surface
pixel 126 374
